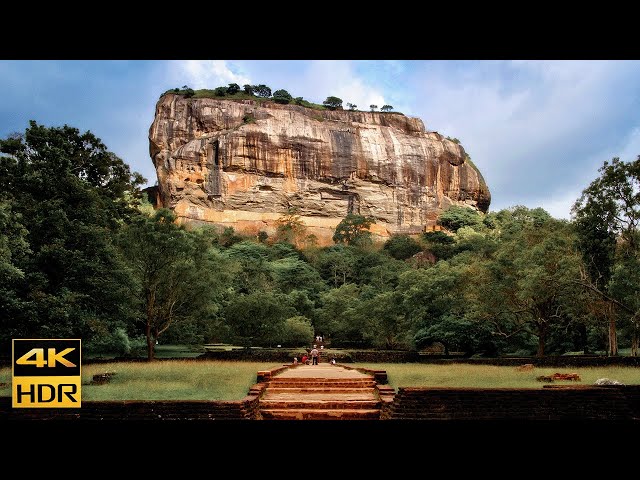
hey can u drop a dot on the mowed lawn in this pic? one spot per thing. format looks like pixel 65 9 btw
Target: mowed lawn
pixel 489 376
pixel 166 380
pixel 231 380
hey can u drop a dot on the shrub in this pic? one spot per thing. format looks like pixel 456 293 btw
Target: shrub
pixel 297 331
pixel 401 247
pixel 116 342
pixel 282 96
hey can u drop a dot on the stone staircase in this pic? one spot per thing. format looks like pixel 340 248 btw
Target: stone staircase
pixel 323 396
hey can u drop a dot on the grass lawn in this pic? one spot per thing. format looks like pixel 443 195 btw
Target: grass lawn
pixel 166 380
pixel 489 376
pixel 231 380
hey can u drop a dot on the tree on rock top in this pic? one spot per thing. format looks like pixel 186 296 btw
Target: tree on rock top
pixel 262 91
pixel 333 103
pixel 282 96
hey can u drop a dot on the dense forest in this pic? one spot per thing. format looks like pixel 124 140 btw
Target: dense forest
pixel 84 255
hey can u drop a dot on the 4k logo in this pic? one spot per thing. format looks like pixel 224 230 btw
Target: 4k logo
pixel 46 373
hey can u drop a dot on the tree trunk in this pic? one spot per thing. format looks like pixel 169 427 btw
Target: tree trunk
pixel 635 341
pixel 582 330
pixel 151 344
pixel 542 337
pixel 151 341
pixel 613 337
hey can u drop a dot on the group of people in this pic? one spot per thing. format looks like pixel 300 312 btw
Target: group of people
pixel 315 355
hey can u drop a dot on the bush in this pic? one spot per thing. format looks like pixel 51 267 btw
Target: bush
pixel 116 342
pixel 297 331
pixel 401 247
pixel 456 217
pixel 282 96
pixel 220 91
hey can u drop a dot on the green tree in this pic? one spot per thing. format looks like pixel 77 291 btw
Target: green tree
pixel 233 88
pixel 373 107
pixel 607 216
pixel 254 270
pixel 333 103
pixel 290 227
pixel 174 273
pixel 386 108
pixel 72 194
pixel 385 326
pixel 342 317
pixel 433 299
pixel 456 217
pixel 297 331
pixel 282 96
pixel 262 91
pixel 248 89
pixel 338 264
pixel 258 318
pixel 351 106
pixel 401 247
pixel 354 230
pixel 291 273
pixel 530 283
pixel 220 91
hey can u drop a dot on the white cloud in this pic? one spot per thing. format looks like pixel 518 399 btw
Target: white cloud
pixel 205 73
pixel 338 78
pixel 534 128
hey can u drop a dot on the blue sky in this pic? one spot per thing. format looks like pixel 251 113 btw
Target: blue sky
pixel 538 130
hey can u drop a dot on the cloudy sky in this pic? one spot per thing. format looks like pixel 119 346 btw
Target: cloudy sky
pixel 538 130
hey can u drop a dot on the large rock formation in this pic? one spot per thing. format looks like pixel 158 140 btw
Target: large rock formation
pixel 242 164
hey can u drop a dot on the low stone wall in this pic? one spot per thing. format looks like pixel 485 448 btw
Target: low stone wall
pixel 556 403
pixel 141 410
pixel 549 361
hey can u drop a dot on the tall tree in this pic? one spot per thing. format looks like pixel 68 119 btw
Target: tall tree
pixel 607 216
pixel 73 194
pixel 530 283
pixel 175 274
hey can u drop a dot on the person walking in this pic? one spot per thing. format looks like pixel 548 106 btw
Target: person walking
pixel 314 356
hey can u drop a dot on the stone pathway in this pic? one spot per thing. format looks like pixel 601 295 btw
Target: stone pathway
pixel 320 392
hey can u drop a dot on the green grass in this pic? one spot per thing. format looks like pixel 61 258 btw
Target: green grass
pixel 166 380
pixel 489 376
pixel 231 380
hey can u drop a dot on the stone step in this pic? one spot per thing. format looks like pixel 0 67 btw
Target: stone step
pixel 319 404
pixel 327 383
pixel 303 390
pixel 319 414
pixel 321 379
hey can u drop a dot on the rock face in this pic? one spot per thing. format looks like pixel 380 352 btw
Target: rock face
pixel 242 164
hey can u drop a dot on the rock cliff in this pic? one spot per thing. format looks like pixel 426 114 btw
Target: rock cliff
pixel 245 163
